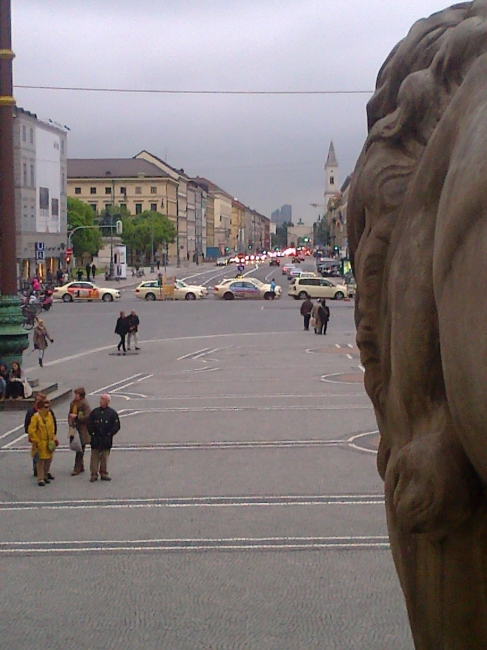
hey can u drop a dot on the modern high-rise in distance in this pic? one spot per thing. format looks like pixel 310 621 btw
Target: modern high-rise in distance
pixel 282 214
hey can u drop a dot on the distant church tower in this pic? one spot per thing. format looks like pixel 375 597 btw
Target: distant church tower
pixel 331 174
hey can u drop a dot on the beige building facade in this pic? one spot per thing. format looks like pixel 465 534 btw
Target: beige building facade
pixel 133 184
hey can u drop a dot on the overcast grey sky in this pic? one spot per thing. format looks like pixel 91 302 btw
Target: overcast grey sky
pixel 265 150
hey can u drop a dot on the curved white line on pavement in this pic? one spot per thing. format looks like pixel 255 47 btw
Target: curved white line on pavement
pixel 352 444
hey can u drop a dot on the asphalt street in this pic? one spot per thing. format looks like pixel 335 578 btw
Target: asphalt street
pixel 245 509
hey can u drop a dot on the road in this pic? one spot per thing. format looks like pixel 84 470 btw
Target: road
pixel 245 509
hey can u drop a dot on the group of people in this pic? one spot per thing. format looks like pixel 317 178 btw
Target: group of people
pixel 317 314
pixel 13 383
pixel 127 325
pixel 96 427
pixel 90 269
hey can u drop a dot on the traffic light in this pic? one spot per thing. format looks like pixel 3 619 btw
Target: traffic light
pixel 227 248
pixel 250 247
pixel 336 249
pixel 68 259
pixel 119 227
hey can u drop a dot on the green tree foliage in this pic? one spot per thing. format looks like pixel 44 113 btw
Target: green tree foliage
pixel 321 232
pixel 145 230
pixel 280 238
pixel 86 240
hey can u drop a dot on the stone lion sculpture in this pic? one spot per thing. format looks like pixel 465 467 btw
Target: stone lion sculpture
pixel 417 228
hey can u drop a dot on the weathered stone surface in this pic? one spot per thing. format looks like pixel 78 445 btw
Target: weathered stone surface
pixel 418 240
pixel 13 337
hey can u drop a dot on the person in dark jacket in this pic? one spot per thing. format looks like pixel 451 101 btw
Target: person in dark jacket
pixel 324 315
pixel 103 424
pixel 305 311
pixel 88 270
pixel 121 328
pixel 134 322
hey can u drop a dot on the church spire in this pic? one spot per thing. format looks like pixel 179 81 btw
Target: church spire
pixel 331 161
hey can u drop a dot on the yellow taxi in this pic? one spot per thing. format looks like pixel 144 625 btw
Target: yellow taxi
pixel 152 290
pixel 84 291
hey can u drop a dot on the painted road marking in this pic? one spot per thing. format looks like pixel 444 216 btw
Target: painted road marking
pixel 198 544
pixel 196 502
pixel 86 353
pixel 191 354
pixel 115 383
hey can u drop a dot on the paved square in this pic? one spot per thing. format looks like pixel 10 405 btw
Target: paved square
pixel 245 509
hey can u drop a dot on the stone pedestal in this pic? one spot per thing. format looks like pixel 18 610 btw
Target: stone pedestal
pixel 13 337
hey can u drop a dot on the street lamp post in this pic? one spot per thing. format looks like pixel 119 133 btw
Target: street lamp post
pixel 178 257
pixel 13 338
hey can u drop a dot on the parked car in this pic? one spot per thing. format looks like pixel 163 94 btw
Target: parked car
pixel 301 288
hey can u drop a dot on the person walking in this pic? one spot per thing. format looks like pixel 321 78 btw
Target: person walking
pixel 305 311
pixel 315 315
pixel 88 270
pixel 42 434
pixel 79 275
pixel 121 328
pixel 93 271
pixel 273 288
pixel 41 338
pixel 59 276
pixel 133 324
pixel 79 414
pixel 103 424
pixel 324 314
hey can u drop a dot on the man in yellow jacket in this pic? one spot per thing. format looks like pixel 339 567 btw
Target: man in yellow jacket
pixel 42 434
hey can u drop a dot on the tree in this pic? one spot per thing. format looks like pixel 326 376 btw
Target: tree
pixel 321 232
pixel 147 231
pixel 280 238
pixel 87 240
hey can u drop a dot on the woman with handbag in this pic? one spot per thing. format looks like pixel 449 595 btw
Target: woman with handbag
pixel 79 412
pixel 41 337
pixel 42 433
pixel 17 386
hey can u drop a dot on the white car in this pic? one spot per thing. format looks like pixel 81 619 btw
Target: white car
pixel 245 288
pixel 151 290
pixel 84 291
pixel 301 288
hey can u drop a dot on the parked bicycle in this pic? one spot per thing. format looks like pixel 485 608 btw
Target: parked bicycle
pixel 30 313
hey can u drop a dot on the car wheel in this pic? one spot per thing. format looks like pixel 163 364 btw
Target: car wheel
pixel 302 295
pixel 228 295
pixel 150 296
pixel 339 295
pixel 107 297
pixel 67 297
pixel 267 295
pixel 190 296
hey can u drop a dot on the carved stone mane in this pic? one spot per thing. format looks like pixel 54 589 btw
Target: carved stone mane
pixel 417 228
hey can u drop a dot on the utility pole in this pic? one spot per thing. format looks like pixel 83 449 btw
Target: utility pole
pixel 178 257
pixel 13 338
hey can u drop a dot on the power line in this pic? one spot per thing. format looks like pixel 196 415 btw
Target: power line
pixel 156 91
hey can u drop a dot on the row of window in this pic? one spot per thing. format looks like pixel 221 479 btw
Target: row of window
pixel 138 207
pixel 123 190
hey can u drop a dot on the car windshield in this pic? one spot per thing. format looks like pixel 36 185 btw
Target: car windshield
pixel 180 284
